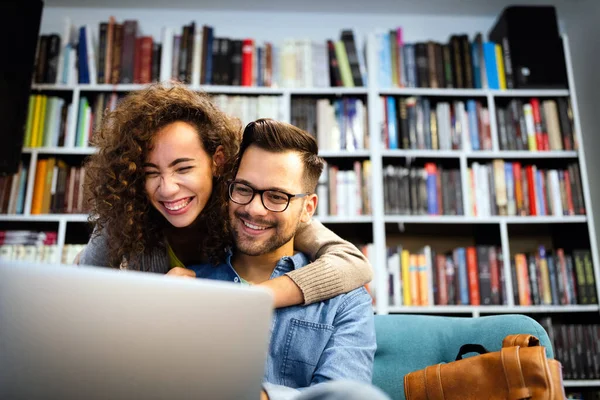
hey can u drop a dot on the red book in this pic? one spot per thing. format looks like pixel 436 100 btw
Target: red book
pixel 570 205
pixel 145 74
pixel 137 60
pixel 247 50
pixel 537 121
pixel 495 276
pixel 442 292
pixel 472 273
pixel 531 173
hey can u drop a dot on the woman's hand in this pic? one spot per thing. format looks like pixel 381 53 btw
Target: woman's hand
pixel 181 272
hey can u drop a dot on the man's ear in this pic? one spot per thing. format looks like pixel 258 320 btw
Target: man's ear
pixel 310 206
pixel 218 160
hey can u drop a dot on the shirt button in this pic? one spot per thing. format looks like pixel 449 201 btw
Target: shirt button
pixel 235 279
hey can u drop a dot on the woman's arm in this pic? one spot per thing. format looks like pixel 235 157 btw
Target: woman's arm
pixel 338 266
pixel 95 252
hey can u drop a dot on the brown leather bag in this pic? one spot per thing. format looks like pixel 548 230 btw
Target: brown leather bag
pixel 520 370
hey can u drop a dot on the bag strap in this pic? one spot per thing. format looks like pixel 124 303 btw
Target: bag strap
pixel 433 382
pixel 511 364
pixel 470 348
pixel 521 340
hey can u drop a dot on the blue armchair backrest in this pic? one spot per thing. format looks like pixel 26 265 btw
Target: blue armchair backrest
pixel 407 343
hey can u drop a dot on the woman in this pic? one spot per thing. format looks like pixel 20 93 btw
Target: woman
pixel 143 227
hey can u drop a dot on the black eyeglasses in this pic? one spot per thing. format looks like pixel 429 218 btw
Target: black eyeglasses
pixel 272 200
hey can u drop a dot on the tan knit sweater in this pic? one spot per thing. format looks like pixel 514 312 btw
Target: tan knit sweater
pixel 338 266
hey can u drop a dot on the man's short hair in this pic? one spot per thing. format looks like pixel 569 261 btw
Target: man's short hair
pixel 277 136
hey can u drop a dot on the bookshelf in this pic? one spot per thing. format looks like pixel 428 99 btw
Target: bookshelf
pixel 376 154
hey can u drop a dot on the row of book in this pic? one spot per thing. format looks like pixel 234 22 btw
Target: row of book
pixel 553 278
pixel 35 246
pixel 582 394
pixel 249 109
pixel 58 188
pixel 49 118
pixel 120 53
pixel 12 191
pixel 474 275
pixel 27 237
pixel 345 192
pixel 513 188
pixel 431 190
pixel 464 276
pixel 422 123
pixel 47 121
pixel 339 124
pixel 459 63
pixel 536 126
pixel 47 253
pixel 577 347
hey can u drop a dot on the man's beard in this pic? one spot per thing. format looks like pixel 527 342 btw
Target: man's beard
pixel 246 245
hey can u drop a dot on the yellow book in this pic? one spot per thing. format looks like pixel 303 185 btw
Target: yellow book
pixel 29 124
pixel 36 120
pixel 344 64
pixel 38 188
pixel 414 280
pixel 39 135
pixel 423 280
pixel 406 277
pixel 47 198
pixel 500 62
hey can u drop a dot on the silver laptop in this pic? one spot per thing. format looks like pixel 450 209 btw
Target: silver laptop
pixel 96 333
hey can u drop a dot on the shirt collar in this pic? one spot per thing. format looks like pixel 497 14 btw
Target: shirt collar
pixel 284 265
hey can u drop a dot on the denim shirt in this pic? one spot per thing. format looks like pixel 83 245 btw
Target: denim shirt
pixel 332 339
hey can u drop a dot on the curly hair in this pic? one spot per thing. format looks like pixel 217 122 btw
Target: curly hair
pixel 115 175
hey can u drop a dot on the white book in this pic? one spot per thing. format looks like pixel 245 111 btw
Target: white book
pixel 91 55
pixel 65 40
pixel 71 130
pixel 166 55
pixel 557 208
pixel 288 64
pixel 197 59
pixel 394 265
pixel 72 73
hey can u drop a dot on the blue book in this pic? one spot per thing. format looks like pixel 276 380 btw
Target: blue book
pixel 473 125
pixel 22 186
pixel 491 68
pixel 540 193
pixel 460 261
pixel 82 64
pixel 431 185
pixel 385 61
pixel 392 122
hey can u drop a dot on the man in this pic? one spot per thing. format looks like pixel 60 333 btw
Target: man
pixel 271 195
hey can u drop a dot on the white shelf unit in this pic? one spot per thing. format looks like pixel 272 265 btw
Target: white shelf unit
pixel 376 154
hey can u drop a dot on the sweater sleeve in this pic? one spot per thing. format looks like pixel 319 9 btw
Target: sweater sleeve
pixel 95 252
pixel 338 266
